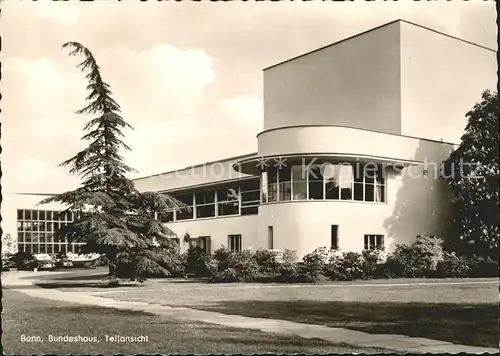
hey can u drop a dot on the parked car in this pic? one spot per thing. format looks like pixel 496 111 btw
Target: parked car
pixel 28 261
pixel 63 262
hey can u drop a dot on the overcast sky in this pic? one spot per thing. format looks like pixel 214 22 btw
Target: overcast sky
pixel 187 75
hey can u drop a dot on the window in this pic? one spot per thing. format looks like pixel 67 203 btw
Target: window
pixel 20 237
pixel 334 241
pixel 374 183
pixel 234 242
pixel 42 248
pixel 185 214
pixel 165 216
pixel 205 204
pixel 202 242
pixel 285 184
pixel 27 215
pixel 346 181
pixel 57 248
pixel 34 214
pixel 41 214
pixel 50 248
pixel 36 248
pixel 264 187
pixel 49 215
pixel 374 242
pixel 315 178
pixel 331 173
pixel 272 185
pixel 20 215
pixel 250 197
pixel 270 238
pixel 299 186
pixel 228 201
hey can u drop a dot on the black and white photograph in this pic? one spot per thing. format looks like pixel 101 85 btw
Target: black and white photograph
pixel 249 177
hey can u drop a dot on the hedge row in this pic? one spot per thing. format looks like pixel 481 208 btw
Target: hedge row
pixel 424 258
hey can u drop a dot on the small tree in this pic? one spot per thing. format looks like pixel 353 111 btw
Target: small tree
pixel 472 173
pixel 8 245
pixel 112 217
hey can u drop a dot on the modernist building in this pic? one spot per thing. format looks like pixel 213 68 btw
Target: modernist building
pixel 354 135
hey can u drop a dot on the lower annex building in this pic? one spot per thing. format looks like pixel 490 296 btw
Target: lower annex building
pixel 349 157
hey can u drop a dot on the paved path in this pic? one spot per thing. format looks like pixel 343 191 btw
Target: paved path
pixel 400 343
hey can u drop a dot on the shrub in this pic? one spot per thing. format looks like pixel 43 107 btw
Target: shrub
pixel 347 266
pixel 245 265
pixel 314 265
pixel 222 256
pixel 371 261
pixel 267 261
pixel 197 262
pixel 418 259
pixel 287 267
pixel 226 276
pixel 481 267
pixel 452 266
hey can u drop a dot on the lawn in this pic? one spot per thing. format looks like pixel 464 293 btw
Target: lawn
pixel 26 316
pixel 459 311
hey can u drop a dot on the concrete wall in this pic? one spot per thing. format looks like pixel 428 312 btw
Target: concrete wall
pixel 441 80
pixel 218 229
pixel 354 83
pixel 344 140
pixel 199 175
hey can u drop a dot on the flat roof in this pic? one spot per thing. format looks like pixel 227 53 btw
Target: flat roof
pixel 376 28
pixel 199 165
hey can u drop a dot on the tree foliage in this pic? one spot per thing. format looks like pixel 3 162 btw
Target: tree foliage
pixel 472 174
pixel 111 216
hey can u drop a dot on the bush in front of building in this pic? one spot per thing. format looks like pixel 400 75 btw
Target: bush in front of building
pixel 418 259
pixel 240 266
pixel 453 266
pixel 197 263
pixel 267 261
pixel 483 267
pixel 313 268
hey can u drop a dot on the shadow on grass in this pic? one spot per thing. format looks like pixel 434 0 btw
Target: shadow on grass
pixel 475 325
pixel 95 284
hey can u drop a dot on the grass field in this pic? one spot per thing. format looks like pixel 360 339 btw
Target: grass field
pixel 23 315
pixel 458 311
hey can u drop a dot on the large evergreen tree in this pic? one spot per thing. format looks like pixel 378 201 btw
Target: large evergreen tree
pixel 112 217
pixel 472 173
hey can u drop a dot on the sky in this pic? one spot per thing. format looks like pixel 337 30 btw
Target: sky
pixel 187 75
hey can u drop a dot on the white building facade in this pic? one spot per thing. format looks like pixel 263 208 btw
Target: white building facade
pixel 354 136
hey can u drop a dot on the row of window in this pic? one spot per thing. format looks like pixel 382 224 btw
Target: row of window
pixel 40 226
pixel 48 248
pixel 319 182
pixel 44 215
pixel 36 237
pixel 242 199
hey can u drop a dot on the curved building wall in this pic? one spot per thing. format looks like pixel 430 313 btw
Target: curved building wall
pixel 416 205
pixel 348 141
